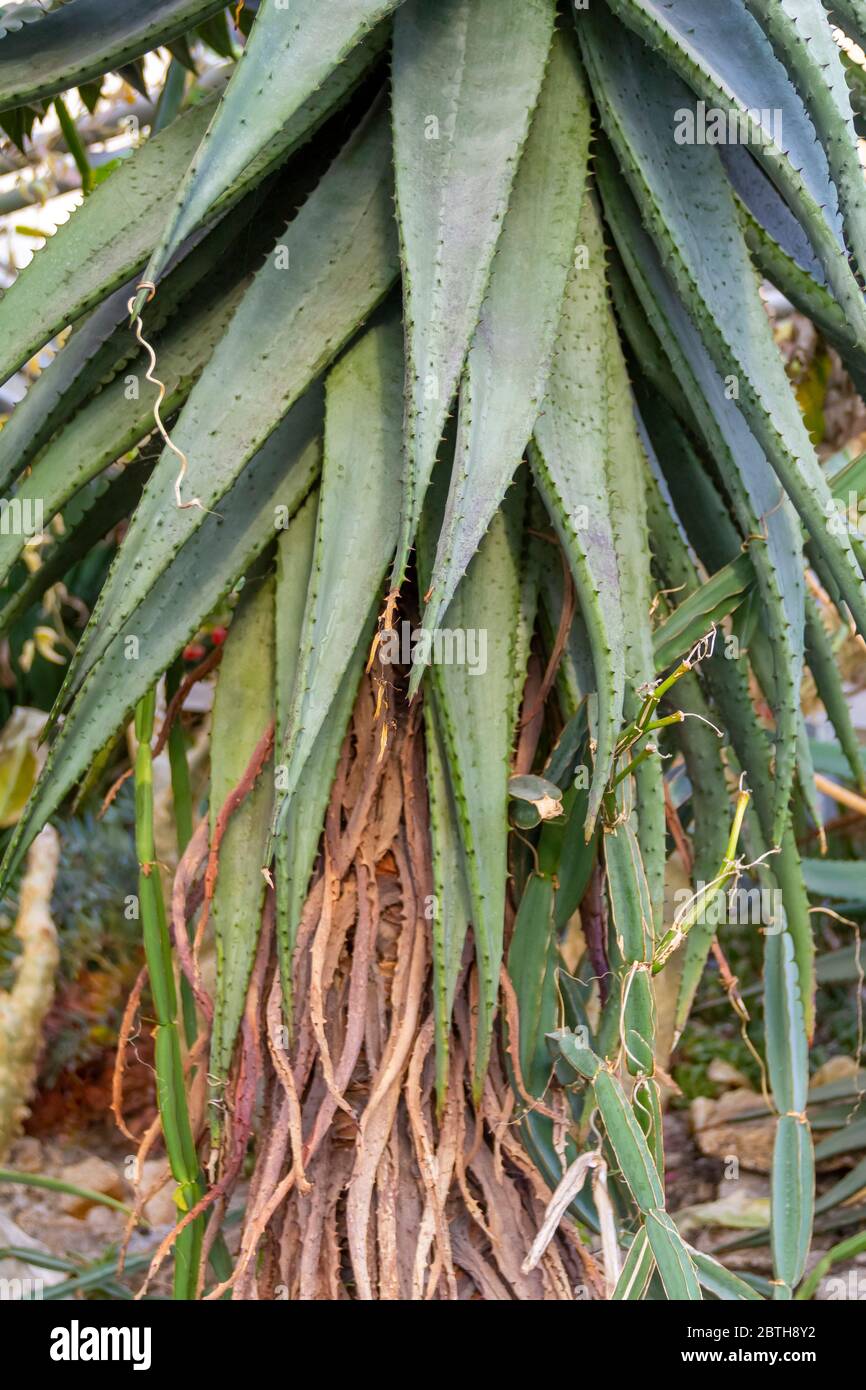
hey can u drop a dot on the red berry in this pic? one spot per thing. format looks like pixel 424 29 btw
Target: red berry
pixel 218 635
pixel 194 652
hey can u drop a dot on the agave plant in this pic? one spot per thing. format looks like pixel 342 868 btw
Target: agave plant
pixel 434 339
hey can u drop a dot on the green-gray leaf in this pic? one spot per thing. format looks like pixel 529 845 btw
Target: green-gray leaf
pixel 455 155
pixel 509 361
pixel 291 52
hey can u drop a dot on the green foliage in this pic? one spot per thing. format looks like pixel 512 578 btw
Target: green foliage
pixel 628 488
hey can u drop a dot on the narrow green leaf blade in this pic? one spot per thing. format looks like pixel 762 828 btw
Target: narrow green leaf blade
pixel 803 40
pixel 455 155
pixel 80 41
pixel 120 416
pixel 673 1261
pixel 355 537
pixel 335 262
pixel 637 1270
pixel 531 965
pixel 723 54
pixel 701 242
pixel 243 709
pixel 452 910
pixel 474 701
pixel 720 1282
pixel 110 236
pixel 509 360
pixel 792 1198
pixel 710 603
pixel 292 50
pixel 572 442
pixel 280 476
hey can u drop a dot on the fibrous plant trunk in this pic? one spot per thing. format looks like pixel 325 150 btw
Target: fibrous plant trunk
pixel 363 1186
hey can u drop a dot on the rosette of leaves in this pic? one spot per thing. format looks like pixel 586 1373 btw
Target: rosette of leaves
pixel 458 311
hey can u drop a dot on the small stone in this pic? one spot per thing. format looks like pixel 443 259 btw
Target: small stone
pixel 720 1134
pixel 105 1222
pixel 837 1069
pixel 724 1074
pixel 160 1210
pixel 94 1173
pixel 26 1155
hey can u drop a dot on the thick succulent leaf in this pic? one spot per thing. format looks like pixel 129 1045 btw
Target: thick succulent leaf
pixel 279 478
pixel 689 208
pixel 121 416
pixel 573 440
pixel 60 388
pixel 637 1270
pixel 825 670
pixel 243 709
pixel 297 845
pixel 509 361
pixel 626 467
pixel 532 959
pixel 769 209
pixel 628 1143
pixel 788 1021
pixel 720 1282
pixel 724 55
pixel 628 893
pixel 787 1053
pixel 792 1198
pixel 102 344
pixel 836 878
pixel 80 41
pixel 451 909
pixel 330 580
pixel 673 1261
pixel 215 33
pixel 788 875
pixel 334 263
pixel 850 15
pixel 295 546
pixel 754 488
pixel 710 603
pixel 99 248
pixel 291 52
pixel 455 155
pixel 355 536
pixel 110 236
pixel 474 706
pixel 801 35
pixel 16 14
